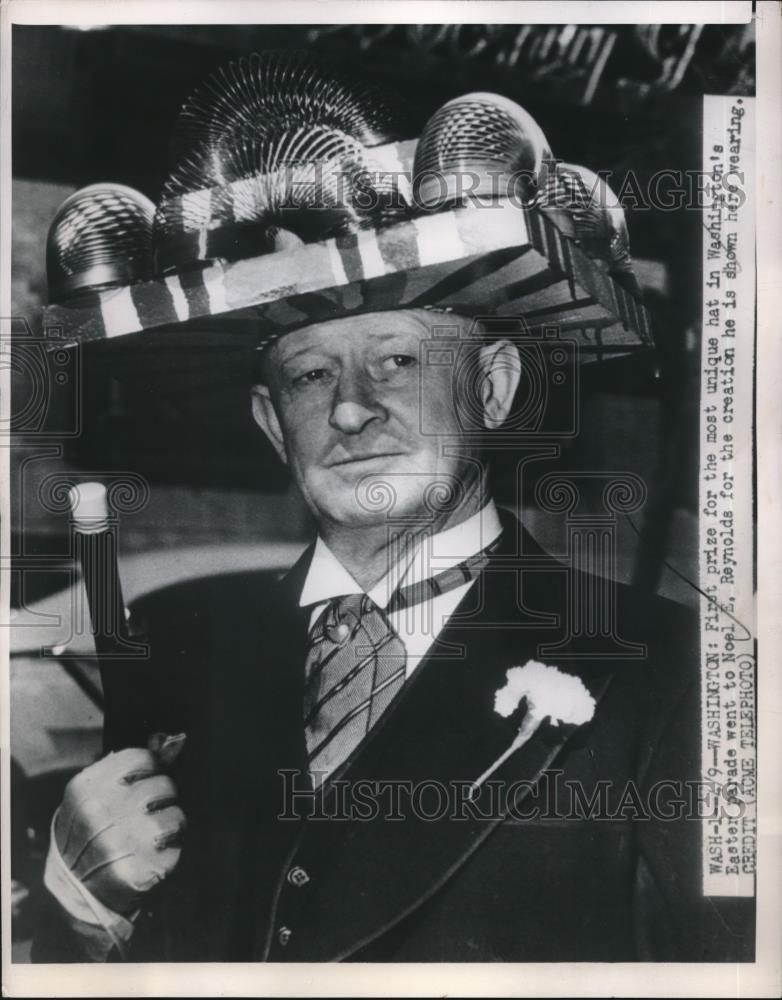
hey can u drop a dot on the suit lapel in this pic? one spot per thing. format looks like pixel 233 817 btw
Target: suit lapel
pixel 367 874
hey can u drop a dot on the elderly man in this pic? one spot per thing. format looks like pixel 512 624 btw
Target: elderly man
pixel 376 759
pixel 283 858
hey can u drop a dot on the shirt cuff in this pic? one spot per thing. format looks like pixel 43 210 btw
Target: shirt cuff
pixel 100 928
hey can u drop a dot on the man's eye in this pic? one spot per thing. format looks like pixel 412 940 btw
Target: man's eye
pixel 311 377
pixel 396 361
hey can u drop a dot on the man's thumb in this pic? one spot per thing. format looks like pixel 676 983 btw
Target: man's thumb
pixel 166 746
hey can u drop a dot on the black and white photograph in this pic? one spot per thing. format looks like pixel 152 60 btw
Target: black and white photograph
pixel 380 497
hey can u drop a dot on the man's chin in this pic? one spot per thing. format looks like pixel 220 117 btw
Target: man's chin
pixel 361 495
pixel 381 506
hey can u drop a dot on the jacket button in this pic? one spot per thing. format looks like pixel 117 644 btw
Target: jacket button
pixel 284 935
pixel 297 876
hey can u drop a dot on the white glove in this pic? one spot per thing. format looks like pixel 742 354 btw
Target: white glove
pixel 119 825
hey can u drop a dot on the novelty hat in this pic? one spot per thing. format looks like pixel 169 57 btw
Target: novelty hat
pixel 296 197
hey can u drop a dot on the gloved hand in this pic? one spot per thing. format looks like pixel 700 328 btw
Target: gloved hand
pixel 119 824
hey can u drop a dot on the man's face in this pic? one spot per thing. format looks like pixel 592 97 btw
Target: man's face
pixel 347 397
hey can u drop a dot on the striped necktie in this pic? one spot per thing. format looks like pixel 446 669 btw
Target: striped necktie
pixel 356 664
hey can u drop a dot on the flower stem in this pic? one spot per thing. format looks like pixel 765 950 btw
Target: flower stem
pixel 528 728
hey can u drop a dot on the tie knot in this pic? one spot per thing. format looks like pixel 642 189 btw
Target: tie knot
pixel 344 615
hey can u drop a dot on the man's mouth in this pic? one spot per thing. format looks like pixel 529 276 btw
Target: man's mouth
pixel 365 457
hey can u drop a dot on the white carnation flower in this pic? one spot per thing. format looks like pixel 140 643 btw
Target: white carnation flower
pixel 550 694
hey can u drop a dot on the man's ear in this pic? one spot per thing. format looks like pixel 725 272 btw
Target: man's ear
pixel 500 374
pixel 266 418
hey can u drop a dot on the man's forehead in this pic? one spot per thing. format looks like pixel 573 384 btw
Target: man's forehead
pixel 420 323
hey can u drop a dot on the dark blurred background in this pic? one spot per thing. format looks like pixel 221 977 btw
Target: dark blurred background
pixel 99 105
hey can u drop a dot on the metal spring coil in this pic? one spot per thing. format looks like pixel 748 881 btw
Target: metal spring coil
pixel 101 237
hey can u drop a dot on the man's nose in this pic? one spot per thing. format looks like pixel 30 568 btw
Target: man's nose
pixel 355 404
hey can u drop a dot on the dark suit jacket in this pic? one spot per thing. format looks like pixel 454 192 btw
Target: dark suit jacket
pixel 496 882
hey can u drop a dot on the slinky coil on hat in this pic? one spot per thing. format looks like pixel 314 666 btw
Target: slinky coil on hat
pixel 584 206
pixel 259 91
pixel 478 145
pixel 101 237
pixel 276 218
pixel 485 146
pixel 274 152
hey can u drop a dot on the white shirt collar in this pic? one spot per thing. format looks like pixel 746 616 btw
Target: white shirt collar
pixel 328 578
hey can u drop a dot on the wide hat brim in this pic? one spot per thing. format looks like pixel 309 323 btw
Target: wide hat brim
pixel 494 258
